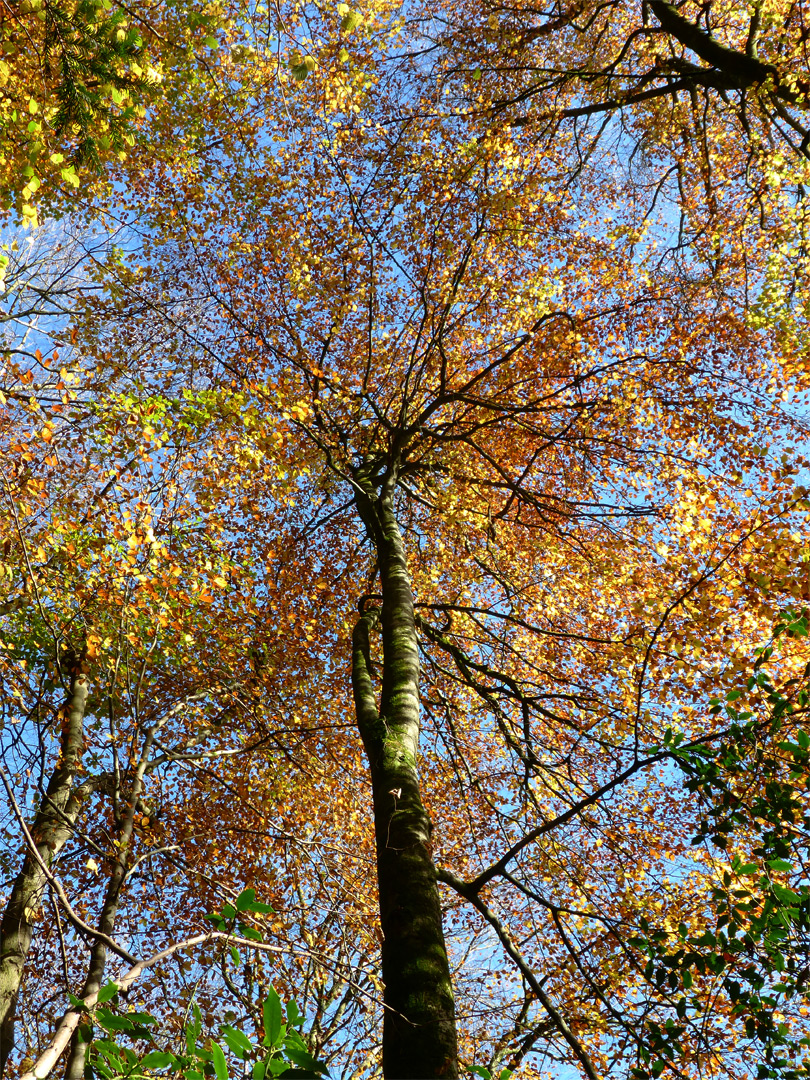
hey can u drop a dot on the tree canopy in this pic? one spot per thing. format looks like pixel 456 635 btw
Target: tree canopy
pixel 405 578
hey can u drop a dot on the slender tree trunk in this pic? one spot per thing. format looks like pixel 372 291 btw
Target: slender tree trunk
pixel 52 827
pixel 77 1057
pixel 419 1032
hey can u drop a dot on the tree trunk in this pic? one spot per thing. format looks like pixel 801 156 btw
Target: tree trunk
pixel 52 827
pixel 419 1032
pixel 77 1056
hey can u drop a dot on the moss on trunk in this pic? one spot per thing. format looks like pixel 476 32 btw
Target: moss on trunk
pixel 419 1031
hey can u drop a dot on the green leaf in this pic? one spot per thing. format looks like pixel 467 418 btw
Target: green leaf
pixel 112 1022
pixel 157 1059
pixel 294 1017
pixel 292 1039
pixel 106 993
pixel 306 1061
pixel 779 864
pixel 237 959
pixel 787 896
pixel 229 912
pixel 142 1018
pixel 108 1050
pixel 245 899
pixel 249 933
pixel 218 1058
pixel 211 42
pixel 747 869
pixel 271 1017
pixel 196 1026
pixel 237 1041
pixel 77 1003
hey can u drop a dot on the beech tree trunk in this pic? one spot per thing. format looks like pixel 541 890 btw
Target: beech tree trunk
pixel 52 827
pixel 419 1031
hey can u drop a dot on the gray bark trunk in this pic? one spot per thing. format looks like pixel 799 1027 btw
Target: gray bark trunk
pixel 77 1057
pixel 52 827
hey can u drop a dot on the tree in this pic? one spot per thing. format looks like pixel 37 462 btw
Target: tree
pixel 701 107
pixel 484 390
pixel 751 794
pixel 75 78
pixel 550 468
pixel 108 704
pixel 732 69
pixel 618 58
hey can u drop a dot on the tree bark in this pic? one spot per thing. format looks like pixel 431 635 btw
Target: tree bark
pixel 52 827
pixel 77 1058
pixel 419 1032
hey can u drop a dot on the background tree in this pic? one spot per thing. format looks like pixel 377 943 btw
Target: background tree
pixel 75 79
pixel 116 589
pixel 699 107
